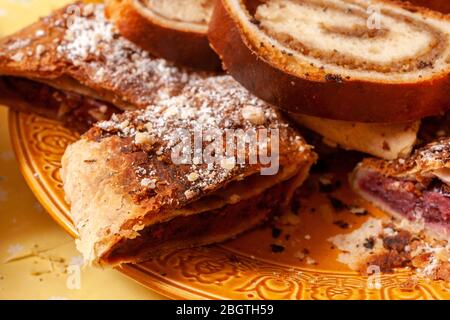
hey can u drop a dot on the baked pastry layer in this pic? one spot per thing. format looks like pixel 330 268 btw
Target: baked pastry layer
pixel 123 183
pixel 356 60
pixel 415 188
pixel 76 111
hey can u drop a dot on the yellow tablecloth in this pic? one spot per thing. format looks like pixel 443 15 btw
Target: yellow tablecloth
pixel 38 260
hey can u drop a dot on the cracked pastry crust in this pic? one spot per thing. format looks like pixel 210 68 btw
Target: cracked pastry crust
pixel 76 52
pixel 416 188
pixel 130 201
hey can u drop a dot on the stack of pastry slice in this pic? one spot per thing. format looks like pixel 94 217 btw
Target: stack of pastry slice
pixel 416 188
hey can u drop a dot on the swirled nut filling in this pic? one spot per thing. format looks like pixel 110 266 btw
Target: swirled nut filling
pixel 348 37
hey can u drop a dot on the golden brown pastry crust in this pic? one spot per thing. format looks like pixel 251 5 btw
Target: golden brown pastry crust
pixel 384 140
pixel 116 187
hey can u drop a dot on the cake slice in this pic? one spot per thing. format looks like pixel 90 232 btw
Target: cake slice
pixel 172 29
pixel 416 188
pixel 338 59
pixel 75 66
pixel 131 199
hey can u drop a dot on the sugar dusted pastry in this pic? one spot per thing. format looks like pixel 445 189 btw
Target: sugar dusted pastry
pixel 131 200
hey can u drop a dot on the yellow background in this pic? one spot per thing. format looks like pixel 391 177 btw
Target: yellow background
pixel 35 253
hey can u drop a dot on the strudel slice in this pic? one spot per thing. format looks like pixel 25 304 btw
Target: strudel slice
pixel 132 196
pixel 415 188
pixel 75 66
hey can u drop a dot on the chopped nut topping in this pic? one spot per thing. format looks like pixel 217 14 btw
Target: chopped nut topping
pixel 40 49
pixel 189 194
pixel 148 183
pixel 234 199
pixel 193 176
pixel 142 138
pixel 254 114
pixel 228 163
pixel 39 33
pixel 17 57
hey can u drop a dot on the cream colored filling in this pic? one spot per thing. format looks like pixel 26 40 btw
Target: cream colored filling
pixel 305 24
pixel 194 11
pixel 387 141
pixel 443 174
pixel 236 191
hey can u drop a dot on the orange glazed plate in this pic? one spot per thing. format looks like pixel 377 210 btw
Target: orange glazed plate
pixel 244 268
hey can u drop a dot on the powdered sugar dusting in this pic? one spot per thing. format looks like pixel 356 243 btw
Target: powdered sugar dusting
pixel 208 106
pixel 93 44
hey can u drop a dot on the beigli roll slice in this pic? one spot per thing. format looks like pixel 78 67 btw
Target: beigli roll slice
pixel 329 59
pixel 175 30
pixel 132 199
pixel 415 188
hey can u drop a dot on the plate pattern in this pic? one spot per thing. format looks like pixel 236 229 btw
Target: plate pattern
pixel 214 272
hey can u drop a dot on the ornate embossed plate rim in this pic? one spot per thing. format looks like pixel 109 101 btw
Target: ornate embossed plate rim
pixel 51 197
pixel 59 211
pixel 43 192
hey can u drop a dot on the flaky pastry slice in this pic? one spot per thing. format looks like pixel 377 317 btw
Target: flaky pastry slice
pixel 75 66
pixel 130 200
pixel 415 188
